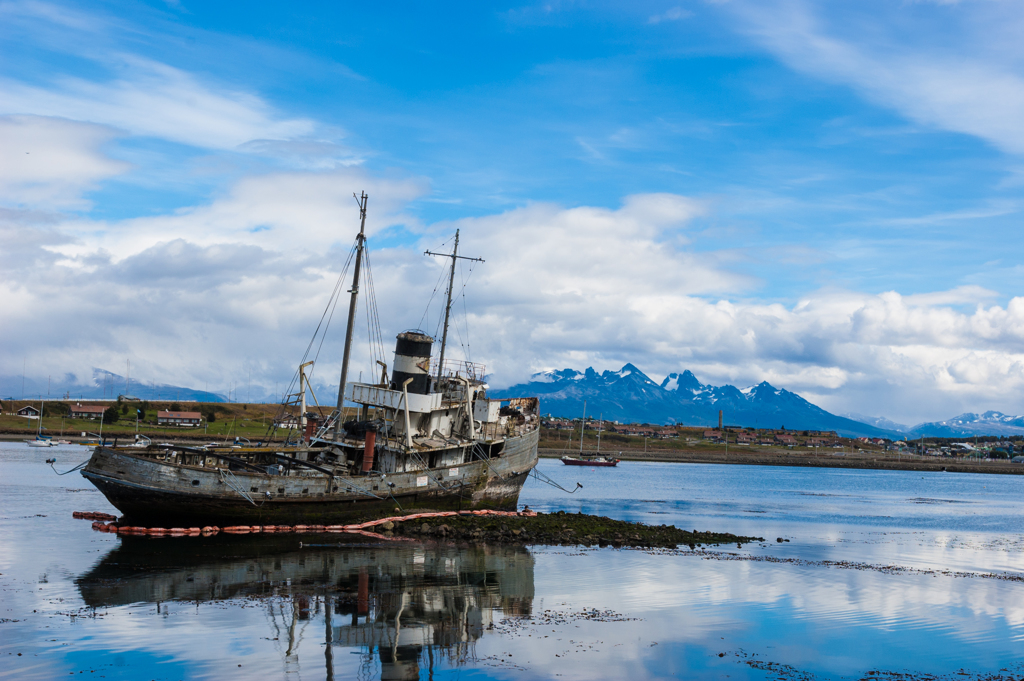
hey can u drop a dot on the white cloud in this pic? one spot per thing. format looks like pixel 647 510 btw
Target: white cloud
pixel 50 162
pixel 194 296
pixel 572 287
pixel 955 83
pixel 151 99
pixel 671 14
pixel 282 212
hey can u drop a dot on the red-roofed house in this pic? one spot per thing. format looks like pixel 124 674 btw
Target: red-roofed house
pixel 179 418
pixel 88 411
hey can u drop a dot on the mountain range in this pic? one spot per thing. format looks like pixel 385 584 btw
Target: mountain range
pixel 626 395
pixel 964 425
pixel 103 385
pixel 629 396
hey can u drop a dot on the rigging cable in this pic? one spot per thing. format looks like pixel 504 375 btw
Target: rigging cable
pixel 70 471
pixel 437 285
pixel 328 314
pixel 548 481
pixel 376 337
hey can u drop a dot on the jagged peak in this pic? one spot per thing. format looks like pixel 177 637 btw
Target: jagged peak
pixel 626 371
pixel 762 390
pixel 684 381
pixel 553 375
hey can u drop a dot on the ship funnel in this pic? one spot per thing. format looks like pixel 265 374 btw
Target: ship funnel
pixel 412 360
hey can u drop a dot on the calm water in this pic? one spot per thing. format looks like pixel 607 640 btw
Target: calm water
pixel 885 573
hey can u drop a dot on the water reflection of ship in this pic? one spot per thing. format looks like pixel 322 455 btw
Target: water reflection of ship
pixel 408 607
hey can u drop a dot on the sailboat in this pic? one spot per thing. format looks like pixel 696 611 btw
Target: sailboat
pixel 595 460
pixel 40 440
pixel 423 437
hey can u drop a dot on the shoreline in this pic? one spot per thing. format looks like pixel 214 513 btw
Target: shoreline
pixel 853 460
pixel 865 460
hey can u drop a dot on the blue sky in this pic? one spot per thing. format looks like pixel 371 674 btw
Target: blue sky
pixel 824 196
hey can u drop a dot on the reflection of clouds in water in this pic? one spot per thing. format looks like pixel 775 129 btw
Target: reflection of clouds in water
pixel 970 608
pixel 931 550
pixel 829 514
pixel 218 611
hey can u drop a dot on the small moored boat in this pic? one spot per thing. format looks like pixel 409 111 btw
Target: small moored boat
pixel 589 461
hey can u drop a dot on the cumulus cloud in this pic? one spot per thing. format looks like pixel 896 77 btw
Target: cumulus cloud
pixel 203 296
pixel 592 286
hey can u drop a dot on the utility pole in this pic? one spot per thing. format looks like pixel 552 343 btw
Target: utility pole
pixel 454 255
pixel 360 241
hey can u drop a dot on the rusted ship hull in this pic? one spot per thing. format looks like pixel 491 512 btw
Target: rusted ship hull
pixel 157 493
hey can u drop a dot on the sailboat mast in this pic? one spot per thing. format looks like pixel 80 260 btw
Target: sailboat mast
pixel 448 307
pixel 583 424
pixel 454 255
pixel 360 241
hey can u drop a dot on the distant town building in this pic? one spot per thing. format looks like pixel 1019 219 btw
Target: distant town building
pixel 636 431
pixel 179 418
pixel 29 412
pixel 288 421
pixel 87 411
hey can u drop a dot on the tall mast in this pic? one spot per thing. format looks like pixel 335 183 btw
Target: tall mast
pixel 454 255
pixel 448 306
pixel 360 241
pixel 583 424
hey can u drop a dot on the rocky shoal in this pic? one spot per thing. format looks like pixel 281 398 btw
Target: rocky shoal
pixel 559 529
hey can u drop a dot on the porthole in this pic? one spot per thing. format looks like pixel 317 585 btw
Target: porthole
pixel 195 483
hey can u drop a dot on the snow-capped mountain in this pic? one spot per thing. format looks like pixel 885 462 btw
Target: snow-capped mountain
pixel 628 395
pixel 989 423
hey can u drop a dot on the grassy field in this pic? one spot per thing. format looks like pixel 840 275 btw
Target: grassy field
pixel 250 421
